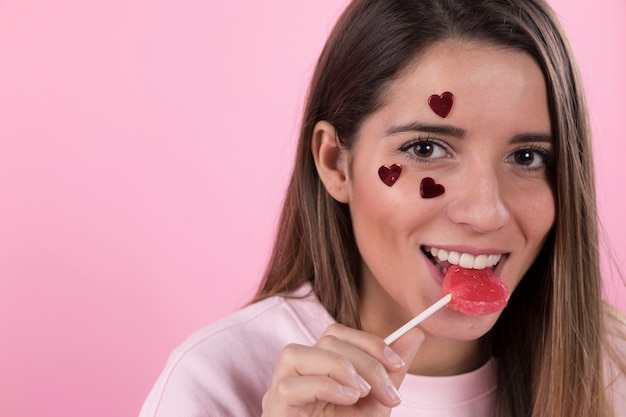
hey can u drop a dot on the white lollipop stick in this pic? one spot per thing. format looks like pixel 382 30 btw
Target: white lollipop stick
pixel 418 319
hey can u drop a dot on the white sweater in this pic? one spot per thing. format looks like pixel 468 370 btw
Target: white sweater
pixel 225 368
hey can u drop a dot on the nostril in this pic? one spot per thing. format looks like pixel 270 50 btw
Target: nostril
pixel 480 217
pixel 478 202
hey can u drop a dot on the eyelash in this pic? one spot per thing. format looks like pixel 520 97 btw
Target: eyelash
pixel 545 154
pixel 421 141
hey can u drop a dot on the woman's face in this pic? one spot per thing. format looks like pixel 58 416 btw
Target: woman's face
pixel 491 153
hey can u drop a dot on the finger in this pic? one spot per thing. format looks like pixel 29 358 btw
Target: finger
pixel 298 392
pixel 368 366
pixel 380 365
pixel 406 347
pixel 299 360
pixel 372 344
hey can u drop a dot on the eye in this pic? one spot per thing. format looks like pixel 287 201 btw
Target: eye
pixel 530 158
pixel 425 149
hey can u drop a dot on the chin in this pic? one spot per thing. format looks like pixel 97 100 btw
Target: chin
pixel 454 325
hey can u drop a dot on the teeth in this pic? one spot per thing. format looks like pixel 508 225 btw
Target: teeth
pixel 480 262
pixel 465 260
pixel 454 257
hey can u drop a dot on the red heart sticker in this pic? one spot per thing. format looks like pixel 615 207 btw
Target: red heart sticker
pixel 442 104
pixel 390 174
pixel 430 189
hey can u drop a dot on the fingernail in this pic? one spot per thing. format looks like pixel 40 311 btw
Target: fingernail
pixel 393 393
pixel 349 393
pixel 364 387
pixel 393 358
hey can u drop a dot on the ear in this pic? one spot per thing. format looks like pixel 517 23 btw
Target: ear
pixel 331 161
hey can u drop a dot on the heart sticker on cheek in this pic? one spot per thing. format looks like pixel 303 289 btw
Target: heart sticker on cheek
pixel 390 174
pixel 442 104
pixel 430 189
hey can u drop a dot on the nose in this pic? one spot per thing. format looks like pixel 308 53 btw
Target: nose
pixel 477 201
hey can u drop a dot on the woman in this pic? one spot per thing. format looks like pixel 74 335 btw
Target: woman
pixel 479 104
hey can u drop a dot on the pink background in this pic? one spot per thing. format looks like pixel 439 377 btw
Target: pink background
pixel 144 150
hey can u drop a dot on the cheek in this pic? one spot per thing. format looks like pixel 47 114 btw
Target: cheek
pixel 536 213
pixel 379 210
pixel 372 207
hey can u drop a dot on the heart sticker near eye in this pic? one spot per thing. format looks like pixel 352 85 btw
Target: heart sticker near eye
pixel 430 189
pixel 442 104
pixel 389 174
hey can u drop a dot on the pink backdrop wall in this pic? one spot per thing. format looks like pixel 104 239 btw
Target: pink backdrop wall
pixel 144 149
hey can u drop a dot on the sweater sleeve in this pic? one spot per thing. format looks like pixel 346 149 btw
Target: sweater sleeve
pixel 211 381
pixel 225 369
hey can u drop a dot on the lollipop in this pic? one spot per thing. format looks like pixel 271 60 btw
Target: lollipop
pixel 475 292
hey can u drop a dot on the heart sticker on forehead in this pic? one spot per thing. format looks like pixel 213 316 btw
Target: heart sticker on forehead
pixel 430 189
pixel 390 174
pixel 442 104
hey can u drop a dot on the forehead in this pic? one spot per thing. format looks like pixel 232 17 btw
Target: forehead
pixel 490 83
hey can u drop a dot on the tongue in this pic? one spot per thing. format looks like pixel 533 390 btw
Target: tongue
pixel 476 292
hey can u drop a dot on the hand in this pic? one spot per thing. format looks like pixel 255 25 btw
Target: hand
pixel 346 373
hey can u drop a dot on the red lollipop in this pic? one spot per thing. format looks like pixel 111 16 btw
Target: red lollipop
pixel 476 292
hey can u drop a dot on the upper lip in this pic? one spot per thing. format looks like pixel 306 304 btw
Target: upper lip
pixel 463 256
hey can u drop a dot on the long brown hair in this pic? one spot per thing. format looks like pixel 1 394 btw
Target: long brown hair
pixel 548 341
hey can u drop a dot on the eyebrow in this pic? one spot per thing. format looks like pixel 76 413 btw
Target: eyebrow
pixel 447 130
pixel 458 132
pixel 532 137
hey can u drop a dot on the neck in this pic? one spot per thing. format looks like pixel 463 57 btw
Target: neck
pixel 438 356
pixel 443 357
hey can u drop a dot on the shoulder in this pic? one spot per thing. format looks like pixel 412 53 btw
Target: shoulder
pixel 227 366
pixel 615 358
pixel 276 319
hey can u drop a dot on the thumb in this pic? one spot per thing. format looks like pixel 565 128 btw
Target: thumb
pixel 407 347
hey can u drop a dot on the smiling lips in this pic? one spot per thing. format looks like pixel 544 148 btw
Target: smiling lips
pixel 443 259
pixel 475 289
